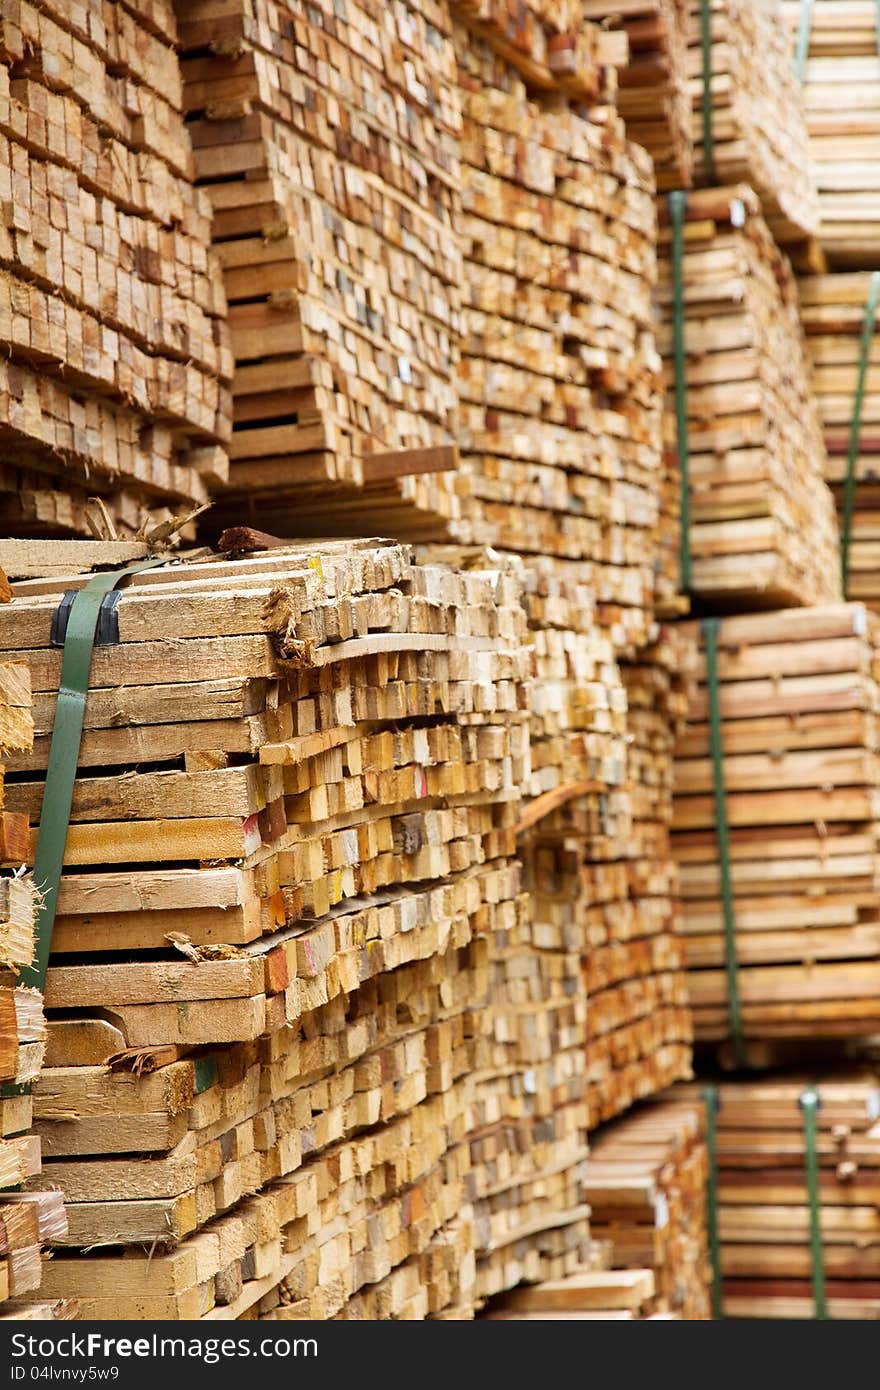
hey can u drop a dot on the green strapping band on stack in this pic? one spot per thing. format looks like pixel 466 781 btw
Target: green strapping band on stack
pixel 712 1100
pixel 803 39
pixel 855 427
pixel 708 133
pixel 67 730
pixel 709 628
pixel 677 204
pixel 809 1106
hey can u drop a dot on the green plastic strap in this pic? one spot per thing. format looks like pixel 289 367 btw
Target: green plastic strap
pixel 722 834
pixel 809 1106
pixel 710 1096
pixel 708 133
pixel 677 205
pixel 855 427
pixel 67 730
pixel 803 39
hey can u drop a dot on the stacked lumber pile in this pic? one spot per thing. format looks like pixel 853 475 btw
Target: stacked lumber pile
pixel 844 351
pixel 604 895
pixel 304 1175
pixel 646 1185
pixel 653 95
pixel 606 1295
pixel 747 111
pixel 558 381
pixel 762 527
pixel 763 1197
pixel 115 360
pixel 841 97
pixel 328 144
pixel 798 700
pixel 348 781
pixel 27 1221
pixel 324 727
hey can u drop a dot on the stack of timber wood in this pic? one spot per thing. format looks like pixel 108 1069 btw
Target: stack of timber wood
pixel 325 728
pixel 355 747
pixel 763 1196
pixel 328 144
pixel 646 1185
pixel 841 96
pixel 747 111
pixel 559 379
pixel 653 95
pixel 304 1175
pixel 834 313
pixel 115 357
pixel 27 1221
pixel 605 900
pixel 798 701
pixel 762 526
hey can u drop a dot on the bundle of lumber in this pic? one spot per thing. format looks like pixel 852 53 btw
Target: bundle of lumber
pixel 27 1221
pixel 347 780
pixel 646 1185
pixel 328 144
pixel 756 527
pixel 653 95
pixel 304 1175
pixel 838 313
pixel 836 45
pixel 604 895
pixel 765 1207
pixel 747 110
pixel 314 749
pixel 559 380
pixel 777 795
pixel 116 363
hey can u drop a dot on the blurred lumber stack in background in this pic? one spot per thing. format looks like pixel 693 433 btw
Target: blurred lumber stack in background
pixel 653 95
pixel 764 1207
pixel 748 118
pixel 798 700
pixel 115 358
pixel 762 529
pixel 646 1185
pixel 839 315
pixel 836 43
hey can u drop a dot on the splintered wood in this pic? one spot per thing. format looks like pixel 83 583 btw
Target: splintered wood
pixel 844 350
pixel 763 1197
pixel 328 143
pixel 646 1186
pixel 762 527
pixel 841 94
pixel 115 361
pixel 753 128
pixel 653 95
pixel 27 1221
pixel 798 705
